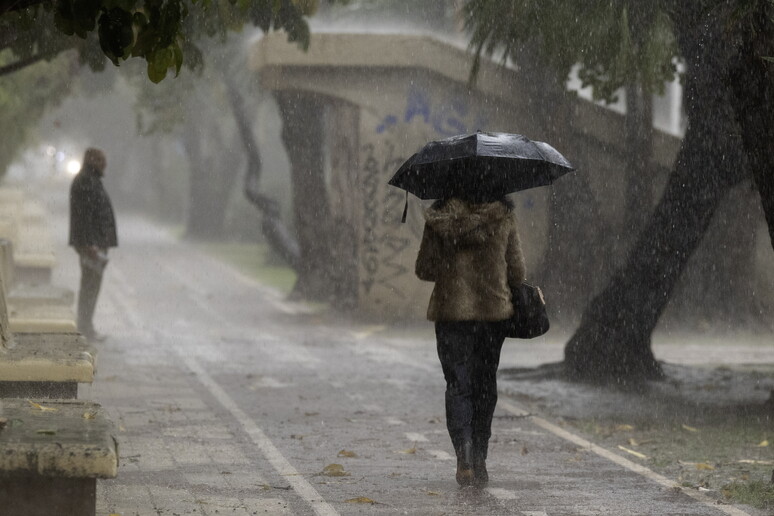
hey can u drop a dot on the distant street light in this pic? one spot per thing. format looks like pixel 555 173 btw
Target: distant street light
pixel 73 166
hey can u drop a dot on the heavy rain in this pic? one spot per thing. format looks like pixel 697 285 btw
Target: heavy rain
pixel 423 257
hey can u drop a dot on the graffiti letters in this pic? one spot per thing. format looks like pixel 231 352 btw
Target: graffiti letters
pixel 447 117
pixel 381 251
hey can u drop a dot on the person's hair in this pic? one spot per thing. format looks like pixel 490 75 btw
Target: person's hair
pixel 94 158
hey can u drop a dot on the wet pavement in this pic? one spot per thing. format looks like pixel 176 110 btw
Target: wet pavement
pixel 229 400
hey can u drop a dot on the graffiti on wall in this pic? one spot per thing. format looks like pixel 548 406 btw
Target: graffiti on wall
pixel 380 251
pixel 384 263
pixel 445 118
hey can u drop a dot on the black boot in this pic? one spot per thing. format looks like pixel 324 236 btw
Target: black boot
pixel 465 475
pixel 480 474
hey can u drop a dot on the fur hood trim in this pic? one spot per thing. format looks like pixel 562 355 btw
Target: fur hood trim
pixel 462 222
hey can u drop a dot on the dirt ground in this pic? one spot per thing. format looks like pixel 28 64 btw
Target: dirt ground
pixel 710 428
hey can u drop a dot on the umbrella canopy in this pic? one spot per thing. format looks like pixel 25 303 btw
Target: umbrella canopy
pixel 480 166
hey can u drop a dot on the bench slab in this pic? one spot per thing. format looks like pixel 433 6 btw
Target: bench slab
pixel 39 294
pixel 64 439
pixel 50 458
pixel 48 357
pixel 43 318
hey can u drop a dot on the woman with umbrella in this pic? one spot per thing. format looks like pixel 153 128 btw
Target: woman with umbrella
pixel 471 250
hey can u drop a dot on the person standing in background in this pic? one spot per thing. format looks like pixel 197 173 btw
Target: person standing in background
pixel 92 233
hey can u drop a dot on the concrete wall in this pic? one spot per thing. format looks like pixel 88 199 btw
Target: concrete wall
pixel 386 96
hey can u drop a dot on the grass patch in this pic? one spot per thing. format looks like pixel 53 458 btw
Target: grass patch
pixel 253 260
pixel 720 451
pixel 758 494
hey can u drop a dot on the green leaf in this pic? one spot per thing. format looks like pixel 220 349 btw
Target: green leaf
pixel 147 38
pixel 116 34
pixel 140 20
pixel 156 74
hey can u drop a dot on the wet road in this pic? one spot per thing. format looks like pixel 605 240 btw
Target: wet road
pixel 230 401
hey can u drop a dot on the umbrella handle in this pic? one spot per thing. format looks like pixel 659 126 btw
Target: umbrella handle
pixel 405 210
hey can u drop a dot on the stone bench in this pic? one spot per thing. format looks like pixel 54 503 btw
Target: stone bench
pixel 23 222
pixel 46 365
pixel 35 308
pixel 35 293
pixel 49 365
pixel 41 319
pixel 51 454
pixel 33 256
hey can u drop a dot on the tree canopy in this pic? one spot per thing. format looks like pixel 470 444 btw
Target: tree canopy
pixel 615 43
pixel 161 32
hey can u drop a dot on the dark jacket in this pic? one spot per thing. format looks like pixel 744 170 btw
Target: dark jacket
pixel 92 222
pixel 472 253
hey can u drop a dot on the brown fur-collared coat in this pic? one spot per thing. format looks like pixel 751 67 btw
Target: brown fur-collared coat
pixel 472 253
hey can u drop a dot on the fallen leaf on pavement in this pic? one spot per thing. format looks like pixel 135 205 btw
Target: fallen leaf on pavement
pixel 763 444
pixel 360 499
pixel 347 453
pixel 624 428
pixel 41 407
pixel 433 493
pixel 89 414
pixel 690 428
pixel 632 452
pixel 334 470
pixel 703 466
pixel 410 451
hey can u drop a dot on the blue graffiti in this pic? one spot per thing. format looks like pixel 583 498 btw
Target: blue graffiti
pixel 417 103
pixel 446 118
pixel 388 122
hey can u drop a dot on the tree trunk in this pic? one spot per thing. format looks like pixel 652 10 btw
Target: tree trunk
pixel 613 342
pixel 751 79
pixel 303 135
pixel 272 228
pixel 211 180
pixel 639 148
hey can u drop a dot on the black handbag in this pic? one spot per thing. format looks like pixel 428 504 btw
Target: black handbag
pixel 529 313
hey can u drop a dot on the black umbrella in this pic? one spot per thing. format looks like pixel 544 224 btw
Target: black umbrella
pixel 480 166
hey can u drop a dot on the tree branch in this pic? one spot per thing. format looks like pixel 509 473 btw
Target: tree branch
pixel 7 6
pixel 22 63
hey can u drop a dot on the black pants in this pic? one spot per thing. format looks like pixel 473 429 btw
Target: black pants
pixel 470 354
pixel 91 280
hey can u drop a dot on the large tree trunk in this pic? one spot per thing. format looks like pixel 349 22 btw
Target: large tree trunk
pixel 212 174
pixel 273 229
pixel 751 79
pixel 639 148
pixel 303 135
pixel 613 341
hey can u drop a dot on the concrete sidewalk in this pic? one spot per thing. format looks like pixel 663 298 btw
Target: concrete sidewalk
pixel 226 403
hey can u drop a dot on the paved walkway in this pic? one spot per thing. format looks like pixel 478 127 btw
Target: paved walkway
pixel 228 402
